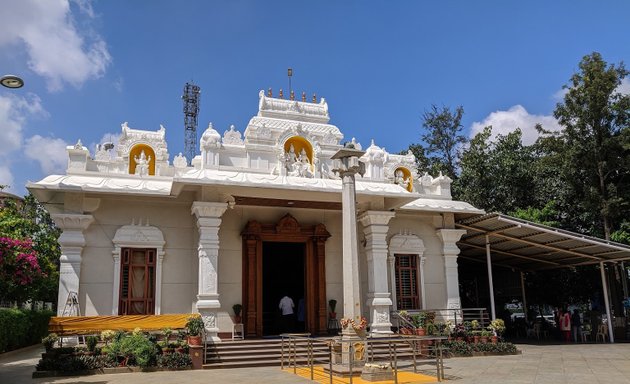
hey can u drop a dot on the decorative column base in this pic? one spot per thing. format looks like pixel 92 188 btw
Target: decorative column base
pixel 380 304
pixel 207 308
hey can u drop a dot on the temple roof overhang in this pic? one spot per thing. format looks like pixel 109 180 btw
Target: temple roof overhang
pixel 234 182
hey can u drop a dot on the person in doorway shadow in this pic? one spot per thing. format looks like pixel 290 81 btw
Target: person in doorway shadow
pixel 288 318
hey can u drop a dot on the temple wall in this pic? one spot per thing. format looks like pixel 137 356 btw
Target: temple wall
pixel 180 264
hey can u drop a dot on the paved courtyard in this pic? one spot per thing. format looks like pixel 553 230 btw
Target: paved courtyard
pixel 571 364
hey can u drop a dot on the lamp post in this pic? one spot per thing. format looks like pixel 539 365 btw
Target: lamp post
pixel 11 81
pixel 347 165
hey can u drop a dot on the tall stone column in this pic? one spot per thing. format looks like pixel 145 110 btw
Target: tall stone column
pixel 72 241
pixel 375 229
pixel 208 222
pixel 347 165
pixel 450 250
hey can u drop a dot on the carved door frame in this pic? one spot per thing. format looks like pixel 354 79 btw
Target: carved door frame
pixel 287 230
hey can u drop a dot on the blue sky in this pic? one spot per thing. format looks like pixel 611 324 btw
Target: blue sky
pixel 91 65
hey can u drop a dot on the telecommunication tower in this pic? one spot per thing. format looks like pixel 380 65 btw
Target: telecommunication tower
pixel 191 110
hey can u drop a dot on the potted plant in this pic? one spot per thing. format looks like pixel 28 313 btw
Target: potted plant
pixel 419 322
pixel 497 326
pixel 195 327
pixel 237 308
pixel 485 334
pixel 332 304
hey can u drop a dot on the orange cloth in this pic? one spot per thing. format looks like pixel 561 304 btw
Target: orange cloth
pixel 78 325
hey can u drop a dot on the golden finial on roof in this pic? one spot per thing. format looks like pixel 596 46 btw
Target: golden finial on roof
pixel 292 95
pixel 314 98
pixel 303 96
pixel 269 93
pixel 280 95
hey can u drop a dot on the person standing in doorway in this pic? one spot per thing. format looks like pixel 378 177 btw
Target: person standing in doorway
pixel 288 319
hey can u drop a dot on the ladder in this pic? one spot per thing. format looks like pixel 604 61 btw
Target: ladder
pixel 72 307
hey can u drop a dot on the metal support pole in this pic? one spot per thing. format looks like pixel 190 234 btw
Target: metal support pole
pixel 523 292
pixel 395 365
pixel 606 303
pixel 491 285
pixel 330 359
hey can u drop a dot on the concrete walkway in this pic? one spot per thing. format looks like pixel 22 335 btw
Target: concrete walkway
pixel 539 364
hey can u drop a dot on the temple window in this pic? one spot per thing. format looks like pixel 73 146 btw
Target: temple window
pixel 142 160
pixel 137 281
pixel 407 292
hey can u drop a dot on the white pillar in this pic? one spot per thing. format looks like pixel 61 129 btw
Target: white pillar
pixel 606 303
pixel 450 251
pixel 72 241
pixel 375 229
pixel 490 283
pixel 208 222
pixel 391 261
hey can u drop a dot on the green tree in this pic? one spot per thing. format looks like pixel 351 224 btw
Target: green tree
pixel 443 137
pixel 594 116
pixel 27 220
pixel 497 175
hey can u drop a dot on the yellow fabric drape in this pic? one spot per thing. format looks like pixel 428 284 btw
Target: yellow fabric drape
pixel 79 325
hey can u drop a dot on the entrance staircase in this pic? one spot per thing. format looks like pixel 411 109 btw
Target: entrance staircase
pixel 268 352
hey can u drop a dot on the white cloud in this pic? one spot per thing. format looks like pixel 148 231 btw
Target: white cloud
pixel 624 87
pixel 504 122
pixel 57 50
pixel 6 179
pixel 14 113
pixel 49 152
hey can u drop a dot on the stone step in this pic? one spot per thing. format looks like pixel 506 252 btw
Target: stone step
pixel 265 352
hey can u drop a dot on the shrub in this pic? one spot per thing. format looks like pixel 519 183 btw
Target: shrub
pixel 458 348
pixel 137 349
pixel 21 328
pixel 91 342
pixel 174 360
pixel 50 340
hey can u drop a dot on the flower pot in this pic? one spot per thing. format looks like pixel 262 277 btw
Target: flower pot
pixel 194 340
pixel 476 339
pixel 333 315
pixel 238 319
pixel 420 332
pixel 484 339
pixel 495 339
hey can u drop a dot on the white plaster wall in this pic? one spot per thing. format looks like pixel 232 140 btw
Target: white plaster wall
pixel 179 266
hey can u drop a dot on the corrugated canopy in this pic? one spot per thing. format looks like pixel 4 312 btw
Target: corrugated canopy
pixel 528 246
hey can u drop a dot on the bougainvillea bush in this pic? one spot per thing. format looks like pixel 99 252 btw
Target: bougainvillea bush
pixel 19 268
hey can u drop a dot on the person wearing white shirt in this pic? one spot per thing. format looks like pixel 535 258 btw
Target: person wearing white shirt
pixel 286 306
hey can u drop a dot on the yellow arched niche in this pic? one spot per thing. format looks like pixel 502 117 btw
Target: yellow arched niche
pixel 300 143
pixel 135 152
pixel 407 176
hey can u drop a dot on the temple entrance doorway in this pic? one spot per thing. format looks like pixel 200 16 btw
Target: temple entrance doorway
pixel 284 273
pixel 269 269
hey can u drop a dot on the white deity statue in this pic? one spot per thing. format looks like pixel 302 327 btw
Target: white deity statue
pixel 142 164
pixel 400 179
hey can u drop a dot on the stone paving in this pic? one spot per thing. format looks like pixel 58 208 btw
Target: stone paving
pixel 538 364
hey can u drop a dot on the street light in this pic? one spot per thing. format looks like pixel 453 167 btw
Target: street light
pixel 11 81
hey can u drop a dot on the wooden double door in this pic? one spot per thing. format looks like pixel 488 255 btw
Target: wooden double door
pixel 307 243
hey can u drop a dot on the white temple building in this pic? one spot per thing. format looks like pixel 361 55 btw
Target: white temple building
pixel 256 216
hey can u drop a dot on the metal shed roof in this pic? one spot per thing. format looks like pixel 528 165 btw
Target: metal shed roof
pixel 528 246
